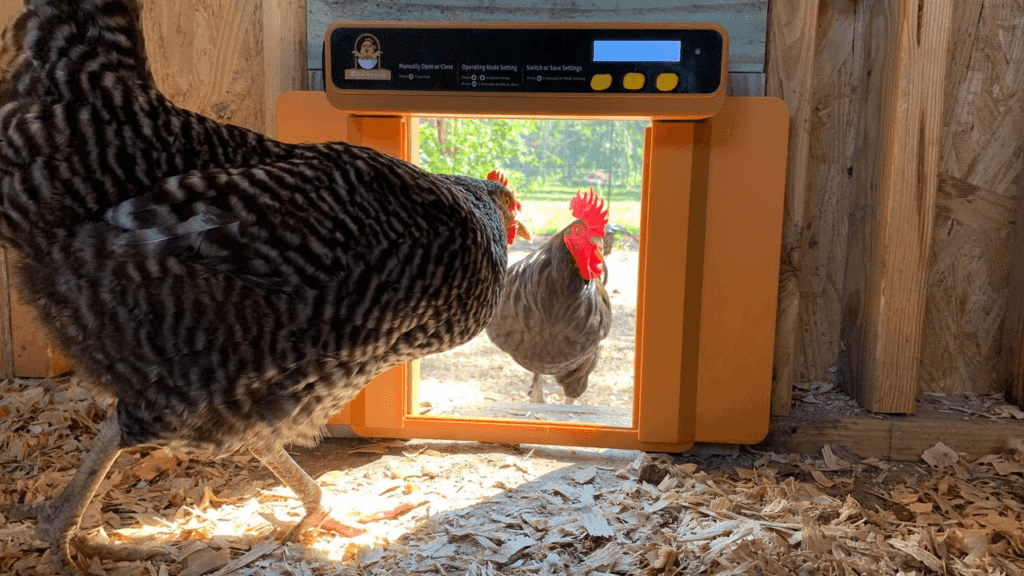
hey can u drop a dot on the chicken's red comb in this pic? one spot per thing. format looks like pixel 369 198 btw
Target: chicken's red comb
pixel 498 177
pixel 590 208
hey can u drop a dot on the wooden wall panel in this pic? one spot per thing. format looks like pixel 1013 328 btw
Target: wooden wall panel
pixel 980 176
pixel 790 76
pixel 207 56
pixel 227 59
pixel 8 10
pixel 819 261
pixel 284 53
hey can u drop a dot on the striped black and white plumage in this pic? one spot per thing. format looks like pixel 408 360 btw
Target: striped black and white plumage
pixel 229 290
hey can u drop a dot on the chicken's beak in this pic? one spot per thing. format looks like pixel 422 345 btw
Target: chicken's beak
pixel 523 232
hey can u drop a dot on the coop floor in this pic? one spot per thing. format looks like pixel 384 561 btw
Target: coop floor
pixel 468 508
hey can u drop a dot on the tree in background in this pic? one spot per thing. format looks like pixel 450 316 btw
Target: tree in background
pixel 539 154
pixel 473 147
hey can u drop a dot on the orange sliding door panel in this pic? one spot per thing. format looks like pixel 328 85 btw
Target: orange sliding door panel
pixel 664 332
pixel 746 171
pixel 709 245
pixel 710 209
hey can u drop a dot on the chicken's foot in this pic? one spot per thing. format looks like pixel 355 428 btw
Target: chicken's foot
pixel 119 552
pixel 293 476
pixel 22 511
pixel 59 517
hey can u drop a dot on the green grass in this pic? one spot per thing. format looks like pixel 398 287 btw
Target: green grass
pixel 550 216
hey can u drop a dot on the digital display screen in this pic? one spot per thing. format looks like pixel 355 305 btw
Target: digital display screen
pixel 637 50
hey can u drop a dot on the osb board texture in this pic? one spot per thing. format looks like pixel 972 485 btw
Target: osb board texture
pixel 981 173
pixel 745 20
pixel 481 510
pixel 207 56
pixel 227 59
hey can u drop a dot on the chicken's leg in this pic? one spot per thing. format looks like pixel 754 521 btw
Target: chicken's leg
pixel 294 477
pixel 60 517
pixel 537 389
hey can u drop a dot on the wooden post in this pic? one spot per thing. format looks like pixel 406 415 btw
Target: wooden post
pixel 284 53
pixel 791 37
pixel 6 343
pixel 891 224
pixel 1013 329
pixel 8 10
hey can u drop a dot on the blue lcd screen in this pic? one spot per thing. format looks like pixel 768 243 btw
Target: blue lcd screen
pixel 636 50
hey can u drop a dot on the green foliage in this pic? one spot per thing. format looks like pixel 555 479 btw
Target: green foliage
pixel 540 156
pixel 547 162
pixel 472 147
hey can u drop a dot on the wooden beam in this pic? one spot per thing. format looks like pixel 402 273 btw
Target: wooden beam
pixel 899 438
pixel 1013 335
pixel 6 341
pixel 891 230
pixel 791 43
pixel 8 10
pixel 284 52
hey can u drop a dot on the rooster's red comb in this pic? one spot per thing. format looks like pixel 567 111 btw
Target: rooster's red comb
pixel 590 209
pixel 498 177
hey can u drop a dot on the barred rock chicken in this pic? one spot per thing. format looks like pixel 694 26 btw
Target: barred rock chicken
pixel 555 311
pixel 230 291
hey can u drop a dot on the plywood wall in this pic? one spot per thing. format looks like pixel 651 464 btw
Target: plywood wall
pixel 228 59
pixel 980 174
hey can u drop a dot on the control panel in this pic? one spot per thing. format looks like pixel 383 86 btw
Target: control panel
pixel 672 67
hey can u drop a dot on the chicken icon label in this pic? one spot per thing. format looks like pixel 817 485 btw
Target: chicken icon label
pixel 366 60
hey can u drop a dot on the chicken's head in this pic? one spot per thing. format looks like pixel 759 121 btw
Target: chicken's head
pixel 515 228
pixel 584 236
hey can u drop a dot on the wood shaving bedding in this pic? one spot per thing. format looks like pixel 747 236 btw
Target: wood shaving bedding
pixel 476 509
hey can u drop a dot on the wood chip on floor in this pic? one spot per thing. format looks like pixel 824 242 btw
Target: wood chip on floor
pixel 448 508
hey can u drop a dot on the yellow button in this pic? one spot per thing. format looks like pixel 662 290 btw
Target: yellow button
pixel 633 81
pixel 667 81
pixel 601 81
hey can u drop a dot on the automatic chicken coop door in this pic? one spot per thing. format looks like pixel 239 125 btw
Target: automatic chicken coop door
pixel 711 208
